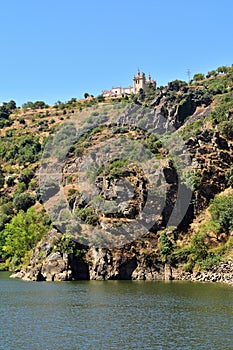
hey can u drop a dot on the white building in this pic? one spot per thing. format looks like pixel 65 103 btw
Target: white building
pixel 139 82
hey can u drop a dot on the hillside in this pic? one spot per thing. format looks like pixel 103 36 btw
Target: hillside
pixel 136 187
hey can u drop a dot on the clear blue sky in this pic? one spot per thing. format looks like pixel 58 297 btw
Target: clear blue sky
pixel 55 50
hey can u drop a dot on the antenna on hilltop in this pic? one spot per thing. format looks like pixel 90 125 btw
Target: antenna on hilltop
pixel 189 75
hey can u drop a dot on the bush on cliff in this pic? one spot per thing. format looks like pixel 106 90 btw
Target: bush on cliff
pixel 221 210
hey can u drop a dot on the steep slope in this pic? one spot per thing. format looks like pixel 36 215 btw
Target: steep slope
pixel 123 183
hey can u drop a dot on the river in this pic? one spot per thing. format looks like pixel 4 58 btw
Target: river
pixel 115 315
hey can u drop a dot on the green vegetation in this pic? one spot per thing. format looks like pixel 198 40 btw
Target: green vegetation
pixel 200 253
pixel 88 215
pixel 192 129
pixel 5 110
pixel 34 105
pixel 221 210
pixel 20 236
pixel 198 76
pixel 23 201
pixel 114 168
pixel 166 246
pixel 191 178
pixel 20 149
pixel 65 244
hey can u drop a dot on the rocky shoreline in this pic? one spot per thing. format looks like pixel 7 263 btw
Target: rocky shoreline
pixel 222 273
pixel 104 266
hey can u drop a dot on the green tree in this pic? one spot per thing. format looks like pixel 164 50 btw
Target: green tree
pixel 211 73
pixel 198 77
pixel 11 105
pixel 27 105
pixel 21 235
pixel 222 69
pixel 166 246
pixel 23 201
pixel 221 210
pixel 100 98
pixel 4 111
pixel 176 85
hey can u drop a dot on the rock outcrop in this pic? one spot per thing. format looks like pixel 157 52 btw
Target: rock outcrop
pixel 222 273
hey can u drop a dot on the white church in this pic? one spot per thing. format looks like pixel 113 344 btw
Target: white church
pixel 139 82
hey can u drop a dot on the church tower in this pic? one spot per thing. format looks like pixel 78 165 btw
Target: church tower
pixel 139 82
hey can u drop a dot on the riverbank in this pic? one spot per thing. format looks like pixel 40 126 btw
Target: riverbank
pixel 222 273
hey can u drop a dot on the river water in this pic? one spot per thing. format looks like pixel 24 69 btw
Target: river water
pixel 115 315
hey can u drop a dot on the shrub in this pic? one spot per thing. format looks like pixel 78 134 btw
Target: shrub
pixel 192 179
pixel 229 176
pixel 64 244
pixel 221 210
pixel 88 215
pixel 23 201
pixel 226 129
pixel 10 181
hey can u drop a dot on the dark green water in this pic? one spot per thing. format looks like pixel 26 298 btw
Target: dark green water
pixel 115 315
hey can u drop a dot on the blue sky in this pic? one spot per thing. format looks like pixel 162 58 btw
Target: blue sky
pixel 55 50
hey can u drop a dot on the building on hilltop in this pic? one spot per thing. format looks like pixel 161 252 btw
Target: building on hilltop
pixel 139 82
pixel 118 91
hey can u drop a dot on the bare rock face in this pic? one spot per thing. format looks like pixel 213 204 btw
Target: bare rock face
pixel 212 155
pixel 46 265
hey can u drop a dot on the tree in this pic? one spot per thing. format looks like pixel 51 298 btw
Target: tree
pixel 222 70
pixel 40 105
pixel 34 105
pixel 212 73
pixel 4 111
pixel 86 95
pixel 27 105
pixel 100 98
pixel 198 76
pixel 176 85
pixel 11 105
pixel 23 201
pixel 166 246
pixel 21 235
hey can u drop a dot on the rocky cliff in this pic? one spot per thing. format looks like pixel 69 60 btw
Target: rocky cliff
pixel 130 172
